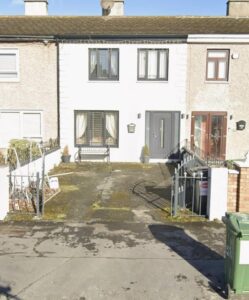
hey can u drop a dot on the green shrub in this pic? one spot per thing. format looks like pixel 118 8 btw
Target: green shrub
pixel 24 152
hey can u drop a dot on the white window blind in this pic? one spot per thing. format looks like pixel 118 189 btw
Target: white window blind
pixel 10 127
pixel 8 65
pixel 142 64
pixel 31 125
pixel 222 69
pixel 211 69
pixel 153 64
pixel 163 65
pixel 217 54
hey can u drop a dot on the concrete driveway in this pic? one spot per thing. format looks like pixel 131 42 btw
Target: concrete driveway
pixel 112 240
pixel 111 260
pixel 115 192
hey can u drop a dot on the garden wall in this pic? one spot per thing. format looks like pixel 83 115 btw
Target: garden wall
pixel 4 191
pixel 51 160
pixel 238 189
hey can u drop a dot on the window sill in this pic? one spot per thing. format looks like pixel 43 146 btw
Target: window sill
pixel 152 81
pixel 8 80
pixel 103 81
pixel 216 82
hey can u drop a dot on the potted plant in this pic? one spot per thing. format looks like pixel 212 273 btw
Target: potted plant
pixel 146 154
pixel 65 157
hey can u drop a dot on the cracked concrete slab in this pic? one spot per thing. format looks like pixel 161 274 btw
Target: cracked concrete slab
pixel 112 260
pixel 114 242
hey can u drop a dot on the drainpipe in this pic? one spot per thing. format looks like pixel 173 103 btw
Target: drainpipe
pixel 58 91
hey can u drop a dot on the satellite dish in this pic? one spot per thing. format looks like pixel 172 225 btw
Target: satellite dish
pixel 107 4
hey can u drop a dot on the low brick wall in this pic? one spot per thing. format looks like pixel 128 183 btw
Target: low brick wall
pixel 233 189
pixel 238 189
pixel 243 203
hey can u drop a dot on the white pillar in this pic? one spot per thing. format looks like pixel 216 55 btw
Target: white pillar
pixel 4 191
pixel 217 196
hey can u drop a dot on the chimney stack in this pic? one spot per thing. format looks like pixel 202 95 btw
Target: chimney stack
pixel 36 7
pixel 112 7
pixel 238 8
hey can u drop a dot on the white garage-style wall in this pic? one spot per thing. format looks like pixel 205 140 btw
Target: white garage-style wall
pixel 128 95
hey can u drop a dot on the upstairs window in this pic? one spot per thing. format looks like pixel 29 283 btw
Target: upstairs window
pixel 217 65
pixel 8 65
pixel 104 64
pixel 153 64
pixel 96 128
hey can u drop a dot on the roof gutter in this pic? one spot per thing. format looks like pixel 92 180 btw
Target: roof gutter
pixel 218 38
pixel 25 38
pixel 64 38
pixel 121 37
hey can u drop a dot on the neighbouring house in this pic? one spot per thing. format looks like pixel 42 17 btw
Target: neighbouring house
pixel 218 85
pixel 128 82
pixel 28 80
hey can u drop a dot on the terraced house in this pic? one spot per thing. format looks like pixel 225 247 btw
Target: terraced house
pixel 126 82
pixel 28 81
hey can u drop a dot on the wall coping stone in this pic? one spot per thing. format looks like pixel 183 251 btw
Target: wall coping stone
pixel 233 172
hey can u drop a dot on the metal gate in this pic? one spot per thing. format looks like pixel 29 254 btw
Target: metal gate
pixel 189 190
pixel 25 193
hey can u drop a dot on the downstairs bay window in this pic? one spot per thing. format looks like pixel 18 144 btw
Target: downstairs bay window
pixel 96 128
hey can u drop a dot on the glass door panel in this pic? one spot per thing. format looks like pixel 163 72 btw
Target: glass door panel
pixel 216 136
pixel 200 142
pixel 209 134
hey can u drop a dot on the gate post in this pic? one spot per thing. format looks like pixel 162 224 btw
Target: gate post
pixel 176 193
pixel 217 193
pixel 4 191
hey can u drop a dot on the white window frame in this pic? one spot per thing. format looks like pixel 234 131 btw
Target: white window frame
pixel 16 53
pixel 217 61
pixel 22 113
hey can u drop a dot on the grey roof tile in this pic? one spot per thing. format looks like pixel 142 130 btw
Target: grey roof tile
pixel 120 26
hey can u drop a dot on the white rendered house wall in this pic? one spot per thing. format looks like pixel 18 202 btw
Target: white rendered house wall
pixel 127 95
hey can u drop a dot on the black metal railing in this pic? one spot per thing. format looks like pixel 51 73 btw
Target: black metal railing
pixel 202 156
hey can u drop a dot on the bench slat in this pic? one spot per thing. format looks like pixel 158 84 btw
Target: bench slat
pixel 85 152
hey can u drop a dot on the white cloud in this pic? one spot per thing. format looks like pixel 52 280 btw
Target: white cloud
pixel 17 2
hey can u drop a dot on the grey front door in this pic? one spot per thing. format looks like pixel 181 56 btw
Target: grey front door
pixel 163 134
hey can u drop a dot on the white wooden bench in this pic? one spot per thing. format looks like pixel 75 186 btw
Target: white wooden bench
pixel 86 153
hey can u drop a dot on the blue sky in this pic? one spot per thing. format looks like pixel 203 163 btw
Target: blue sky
pixel 132 7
